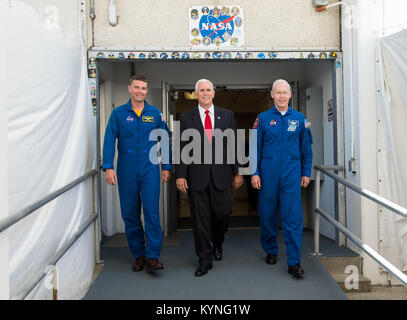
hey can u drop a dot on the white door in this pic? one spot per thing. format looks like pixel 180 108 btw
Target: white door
pixel 315 115
pixel 112 222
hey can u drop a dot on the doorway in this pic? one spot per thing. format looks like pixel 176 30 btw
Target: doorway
pixel 242 87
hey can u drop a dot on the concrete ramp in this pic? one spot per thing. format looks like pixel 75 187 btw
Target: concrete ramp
pixel 242 274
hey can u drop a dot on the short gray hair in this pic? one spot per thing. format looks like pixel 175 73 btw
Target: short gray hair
pixel 202 80
pixel 280 81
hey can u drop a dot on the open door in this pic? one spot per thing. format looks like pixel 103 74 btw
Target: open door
pixel 168 198
pixel 111 221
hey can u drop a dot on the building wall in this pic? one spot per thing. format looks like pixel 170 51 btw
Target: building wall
pixel 280 24
pixel 165 23
pixel 370 18
pixel 366 116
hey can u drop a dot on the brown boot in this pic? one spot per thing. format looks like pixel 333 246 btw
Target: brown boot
pixel 153 264
pixel 139 264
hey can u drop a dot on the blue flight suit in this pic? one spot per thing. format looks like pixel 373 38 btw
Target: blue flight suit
pixel 284 155
pixel 138 176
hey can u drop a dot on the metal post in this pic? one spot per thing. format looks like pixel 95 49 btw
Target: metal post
pixel 165 208
pixel 55 282
pixel 96 224
pixel 316 225
pixel 97 181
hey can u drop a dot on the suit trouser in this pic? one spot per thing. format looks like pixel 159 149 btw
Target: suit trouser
pixel 210 210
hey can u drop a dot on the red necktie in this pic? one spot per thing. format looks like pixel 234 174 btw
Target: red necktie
pixel 208 126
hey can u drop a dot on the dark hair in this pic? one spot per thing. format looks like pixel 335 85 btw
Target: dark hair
pixel 138 77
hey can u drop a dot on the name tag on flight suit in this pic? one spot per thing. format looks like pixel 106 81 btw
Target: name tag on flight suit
pixel 147 119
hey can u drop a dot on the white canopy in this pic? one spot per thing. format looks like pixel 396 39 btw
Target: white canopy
pixel 51 142
pixel 392 143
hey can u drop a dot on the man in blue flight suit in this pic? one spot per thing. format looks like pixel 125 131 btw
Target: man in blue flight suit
pixel 138 172
pixel 284 160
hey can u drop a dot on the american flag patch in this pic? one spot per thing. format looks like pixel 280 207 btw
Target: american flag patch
pixel 307 124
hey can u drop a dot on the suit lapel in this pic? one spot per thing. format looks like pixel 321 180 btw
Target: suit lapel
pixel 196 117
pixel 218 118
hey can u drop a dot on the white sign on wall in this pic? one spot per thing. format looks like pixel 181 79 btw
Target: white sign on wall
pixel 216 27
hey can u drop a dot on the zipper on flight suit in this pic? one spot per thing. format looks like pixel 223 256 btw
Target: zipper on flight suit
pixel 138 130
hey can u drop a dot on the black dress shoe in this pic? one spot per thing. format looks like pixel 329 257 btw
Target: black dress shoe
pixel 271 259
pixel 297 271
pixel 202 269
pixel 217 253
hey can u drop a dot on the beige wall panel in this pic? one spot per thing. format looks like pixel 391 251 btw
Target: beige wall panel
pixel 290 24
pixel 143 23
pixel 164 23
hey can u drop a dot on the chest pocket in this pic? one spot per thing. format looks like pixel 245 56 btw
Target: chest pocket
pixel 129 125
pixel 147 119
pixel 293 130
pixel 293 125
pixel 273 128
pixel 148 123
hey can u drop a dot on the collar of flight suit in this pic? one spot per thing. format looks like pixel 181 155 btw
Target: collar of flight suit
pixel 145 109
pixel 275 110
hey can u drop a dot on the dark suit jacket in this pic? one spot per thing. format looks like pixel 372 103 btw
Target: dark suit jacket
pixel 198 174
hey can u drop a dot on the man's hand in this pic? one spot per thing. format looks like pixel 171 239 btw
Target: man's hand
pixel 165 176
pixel 304 182
pixel 237 181
pixel 256 183
pixel 182 185
pixel 111 177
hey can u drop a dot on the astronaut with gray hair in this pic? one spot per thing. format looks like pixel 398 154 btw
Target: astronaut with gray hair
pixel 282 167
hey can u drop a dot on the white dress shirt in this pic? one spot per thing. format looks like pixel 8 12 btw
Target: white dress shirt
pixel 211 115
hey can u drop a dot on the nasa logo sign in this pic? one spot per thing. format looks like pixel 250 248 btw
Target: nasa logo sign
pixel 219 29
pixel 214 27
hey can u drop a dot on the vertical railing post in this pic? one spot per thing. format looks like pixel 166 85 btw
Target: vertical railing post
pixel 54 282
pixel 316 224
pixel 96 223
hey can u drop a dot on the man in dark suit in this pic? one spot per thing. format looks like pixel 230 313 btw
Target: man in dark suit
pixel 208 180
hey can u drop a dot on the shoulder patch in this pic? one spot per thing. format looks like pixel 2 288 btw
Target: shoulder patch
pixel 307 123
pixel 256 123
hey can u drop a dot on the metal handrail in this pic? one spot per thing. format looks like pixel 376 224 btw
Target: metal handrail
pixel 370 195
pixel 58 255
pixel 366 193
pixel 8 222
